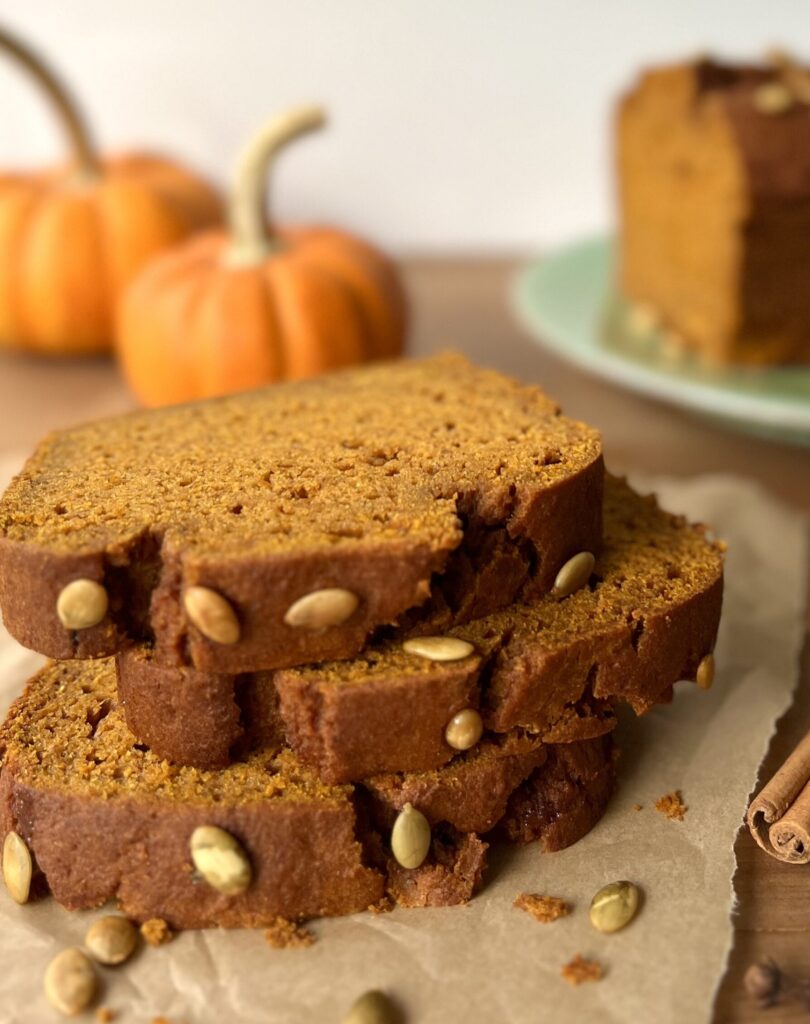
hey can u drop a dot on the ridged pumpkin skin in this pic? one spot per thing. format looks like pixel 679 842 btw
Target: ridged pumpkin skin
pixel 69 246
pixel 72 238
pixel 192 325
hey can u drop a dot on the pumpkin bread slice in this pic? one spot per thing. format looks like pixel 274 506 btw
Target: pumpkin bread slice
pixel 555 807
pixel 281 527
pixel 104 818
pixel 647 618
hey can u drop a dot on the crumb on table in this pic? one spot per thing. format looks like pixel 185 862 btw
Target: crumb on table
pixel 104 1015
pixel 638 807
pixel 580 970
pixel 542 908
pixel 671 805
pixel 284 934
pixel 156 932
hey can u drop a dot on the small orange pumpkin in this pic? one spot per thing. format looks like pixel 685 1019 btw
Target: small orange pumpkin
pixel 72 237
pixel 230 311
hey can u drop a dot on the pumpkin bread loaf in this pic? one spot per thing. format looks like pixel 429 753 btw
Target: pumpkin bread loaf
pixel 281 527
pixel 714 187
pixel 105 818
pixel 646 619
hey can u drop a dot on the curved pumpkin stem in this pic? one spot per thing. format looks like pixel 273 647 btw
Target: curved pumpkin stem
pixel 84 153
pixel 251 233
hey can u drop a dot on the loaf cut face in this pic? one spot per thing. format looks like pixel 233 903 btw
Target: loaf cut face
pixel 431 487
pixel 107 819
pixel 648 616
pixel 714 188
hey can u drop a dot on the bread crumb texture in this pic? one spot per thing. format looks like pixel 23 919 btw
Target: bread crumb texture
pixel 156 932
pixel 579 970
pixel 671 805
pixel 544 909
pixel 70 710
pixel 377 453
pixel 284 934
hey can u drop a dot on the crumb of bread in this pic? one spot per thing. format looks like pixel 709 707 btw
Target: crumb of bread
pixel 638 807
pixel 284 934
pixel 580 970
pixel 156 932
pixel 671 805
pixel 382 906
pixel 542 908
pixel 104 1015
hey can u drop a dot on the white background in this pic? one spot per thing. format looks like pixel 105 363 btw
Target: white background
pixel 456 124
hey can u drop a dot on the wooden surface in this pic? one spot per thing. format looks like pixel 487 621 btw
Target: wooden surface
pixel 463 305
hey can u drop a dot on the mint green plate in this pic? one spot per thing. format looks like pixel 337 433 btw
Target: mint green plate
pixel 568 302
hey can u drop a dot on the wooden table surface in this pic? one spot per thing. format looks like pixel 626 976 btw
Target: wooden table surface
pixel 462 304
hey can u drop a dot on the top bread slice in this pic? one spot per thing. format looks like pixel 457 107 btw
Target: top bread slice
pixel 428 487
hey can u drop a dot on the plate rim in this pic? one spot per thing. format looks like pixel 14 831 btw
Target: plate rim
pixel 787 413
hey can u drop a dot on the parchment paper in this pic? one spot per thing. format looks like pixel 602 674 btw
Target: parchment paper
pixel 488 962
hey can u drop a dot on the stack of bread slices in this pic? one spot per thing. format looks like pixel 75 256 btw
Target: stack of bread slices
pixel 317 647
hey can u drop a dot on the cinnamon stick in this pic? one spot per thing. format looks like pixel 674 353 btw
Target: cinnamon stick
pixel 779 818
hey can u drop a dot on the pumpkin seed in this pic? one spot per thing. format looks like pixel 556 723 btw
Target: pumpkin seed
pixel 574 574
pixel 220 859
pixel 772 98
pixel 331 606
pixel 372 1008
pixel 704 676
pixel 70 982
pixel 464 729
pixel 111 939
pixel 18 867
pixel 211 614
pixel 82 604
pixel 614 906
pixel 410 837
pixel 439 648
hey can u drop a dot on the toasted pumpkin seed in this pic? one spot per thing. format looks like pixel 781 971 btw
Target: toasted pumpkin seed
pixel 331 606
pixel 704 676
pixel 111 940
pixel 438 648
pixel 614 906
pixel 574 574
pixel 212 614
pixel 410 837
pixel 464 729
pixel 18 867
pixel 220 859
pixel 82 604
pixel 372 1008
pixel 70 982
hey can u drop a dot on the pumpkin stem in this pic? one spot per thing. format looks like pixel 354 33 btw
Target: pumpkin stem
pixel 251 233
pixel 83 151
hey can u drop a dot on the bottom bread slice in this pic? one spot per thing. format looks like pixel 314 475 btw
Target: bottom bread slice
pixel 104 818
